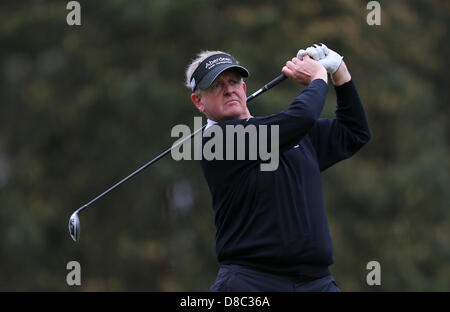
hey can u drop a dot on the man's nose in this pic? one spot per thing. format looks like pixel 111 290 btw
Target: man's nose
pixel 228 88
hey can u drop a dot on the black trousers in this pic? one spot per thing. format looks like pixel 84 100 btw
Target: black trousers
pixel 238 278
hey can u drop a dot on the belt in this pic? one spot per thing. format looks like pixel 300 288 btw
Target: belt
pixel 293 278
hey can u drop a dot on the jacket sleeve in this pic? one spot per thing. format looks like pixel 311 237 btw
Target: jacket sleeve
pixel 339 138
pixel 293 124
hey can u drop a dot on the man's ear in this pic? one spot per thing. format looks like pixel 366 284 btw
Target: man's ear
pixel 196 99
pixel 245 87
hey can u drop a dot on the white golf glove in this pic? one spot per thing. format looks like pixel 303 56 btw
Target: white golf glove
pixel 327 57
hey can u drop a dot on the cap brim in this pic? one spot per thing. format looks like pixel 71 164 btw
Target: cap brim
pixel 208 79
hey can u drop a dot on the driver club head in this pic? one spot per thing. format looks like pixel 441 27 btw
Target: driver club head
pixel 74 226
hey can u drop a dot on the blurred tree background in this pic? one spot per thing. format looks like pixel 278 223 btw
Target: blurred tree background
pixel 84 106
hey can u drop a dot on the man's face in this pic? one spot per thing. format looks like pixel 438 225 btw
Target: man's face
pixel 224 99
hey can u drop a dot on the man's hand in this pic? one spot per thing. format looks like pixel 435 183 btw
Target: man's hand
pixel 327 57
pixel 304 70
pixel 332 61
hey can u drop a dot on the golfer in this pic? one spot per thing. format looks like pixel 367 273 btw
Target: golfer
pixel 271 229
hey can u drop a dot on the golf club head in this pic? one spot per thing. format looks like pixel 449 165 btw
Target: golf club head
pixel 74 226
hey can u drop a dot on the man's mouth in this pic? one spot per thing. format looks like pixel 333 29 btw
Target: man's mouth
pixel 232 102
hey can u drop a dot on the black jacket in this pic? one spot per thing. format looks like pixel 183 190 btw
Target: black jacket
pixel 275 220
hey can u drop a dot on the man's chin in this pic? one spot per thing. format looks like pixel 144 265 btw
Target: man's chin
pixel 235 115
pixel 232 115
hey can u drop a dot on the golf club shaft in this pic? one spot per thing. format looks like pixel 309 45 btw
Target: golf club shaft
pixel 266 87
pixel 167 151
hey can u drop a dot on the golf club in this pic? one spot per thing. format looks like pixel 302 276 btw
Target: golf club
pixel 74 221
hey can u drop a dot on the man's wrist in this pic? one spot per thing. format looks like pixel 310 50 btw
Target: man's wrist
pixel 341 76
pixel 321 75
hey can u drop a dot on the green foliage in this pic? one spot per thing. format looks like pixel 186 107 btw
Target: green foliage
pixel 83 106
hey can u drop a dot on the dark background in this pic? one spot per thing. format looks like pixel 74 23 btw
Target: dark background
pixel 84 106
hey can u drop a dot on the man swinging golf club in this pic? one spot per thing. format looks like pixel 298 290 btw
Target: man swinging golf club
pixel 271 229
